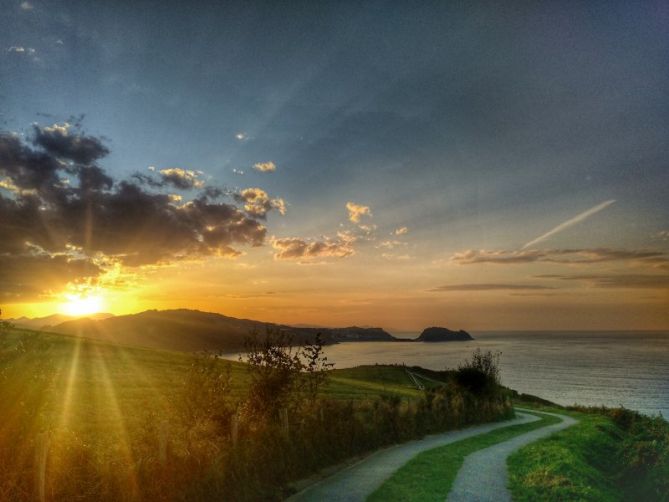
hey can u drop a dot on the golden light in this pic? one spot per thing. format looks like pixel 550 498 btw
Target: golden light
pixel 82 305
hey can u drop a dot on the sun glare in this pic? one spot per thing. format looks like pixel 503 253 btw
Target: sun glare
pixel 78 305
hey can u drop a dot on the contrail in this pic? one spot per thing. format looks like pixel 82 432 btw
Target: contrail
pixel 573 221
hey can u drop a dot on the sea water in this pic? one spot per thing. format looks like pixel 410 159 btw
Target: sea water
pixel 628 369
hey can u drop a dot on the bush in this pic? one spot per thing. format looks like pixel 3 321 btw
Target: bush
pixel 480 374
pixel 472 379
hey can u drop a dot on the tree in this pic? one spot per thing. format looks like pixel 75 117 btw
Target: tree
pixel 281 373
pixel 316 367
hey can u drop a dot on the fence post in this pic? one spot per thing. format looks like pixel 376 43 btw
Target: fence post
pixel 41 454
pixel 234 430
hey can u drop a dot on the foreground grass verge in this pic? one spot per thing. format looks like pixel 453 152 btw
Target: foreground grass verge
pixel 430 475
pixel 610 455
pixel 574 464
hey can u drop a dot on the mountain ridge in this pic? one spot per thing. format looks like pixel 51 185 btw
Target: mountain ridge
pixel 193 330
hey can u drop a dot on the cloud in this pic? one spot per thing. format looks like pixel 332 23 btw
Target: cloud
pixel 183 179
pixel 28 276
pixel 566 256
pixel 400 231
pixel 357 211
pixel 21 50
pixel 616 281
pixel 62 143
pixel 258 203
pixel 296 248
pixel 56 198
pixel 395 257
pixel 265 167
pixel 489 287
pixel 367 231
pixel 26 6
pixel 347 236
pixel 662 235
pixel 390 244
pixel 570 222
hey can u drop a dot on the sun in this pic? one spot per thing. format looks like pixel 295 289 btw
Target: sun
pixel 81 305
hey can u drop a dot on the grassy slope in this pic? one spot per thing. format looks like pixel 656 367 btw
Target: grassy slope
pixel 574 464
pixel 591 462
pixel 94 384
pixel 363 381
pixel 430 475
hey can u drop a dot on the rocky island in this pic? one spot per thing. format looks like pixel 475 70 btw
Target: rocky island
pixel 438 334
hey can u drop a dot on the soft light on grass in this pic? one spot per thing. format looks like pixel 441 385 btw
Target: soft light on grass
pixel 111 422
pixel 430 475
pixel 575 464
pixel 96 385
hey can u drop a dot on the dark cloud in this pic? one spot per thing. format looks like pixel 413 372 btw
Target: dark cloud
pixel 623 281
pixel 489 287
pixel 60 141
pixel 26 277
pixel 567 256
pixel 183 179
pixel 175 177
pixel 56 200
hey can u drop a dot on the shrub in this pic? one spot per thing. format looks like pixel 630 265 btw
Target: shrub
pixel 480 374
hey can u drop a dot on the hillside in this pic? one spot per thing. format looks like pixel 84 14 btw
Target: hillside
pixel 192 330
pixel 51 320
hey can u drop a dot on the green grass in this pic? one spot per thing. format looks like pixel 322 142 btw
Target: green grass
pixel 430 475
pixel 573 464
pixel 89 384
pixel 590 461
pixel 367 381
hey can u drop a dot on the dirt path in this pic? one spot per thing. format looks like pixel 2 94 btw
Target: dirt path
pixel 360 480
pixel 484 475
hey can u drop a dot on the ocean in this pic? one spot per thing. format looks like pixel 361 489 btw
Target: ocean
pixel 629 369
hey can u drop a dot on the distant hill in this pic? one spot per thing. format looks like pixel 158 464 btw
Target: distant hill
pixel 51 320
pixel 192 330
pixel 437 334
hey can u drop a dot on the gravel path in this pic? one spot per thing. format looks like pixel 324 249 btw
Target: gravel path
pixel 360 480
pixel 484 476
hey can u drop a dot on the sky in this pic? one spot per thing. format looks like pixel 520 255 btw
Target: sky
pixel 471 165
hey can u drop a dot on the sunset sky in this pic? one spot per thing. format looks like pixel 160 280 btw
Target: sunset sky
pixel 374 163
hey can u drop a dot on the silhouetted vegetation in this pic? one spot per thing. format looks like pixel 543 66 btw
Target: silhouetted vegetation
pixel 84 420
pixel 480 374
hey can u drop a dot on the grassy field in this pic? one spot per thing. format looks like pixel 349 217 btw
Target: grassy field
pixel 110 422
pixel 86 384
pixel 430 475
